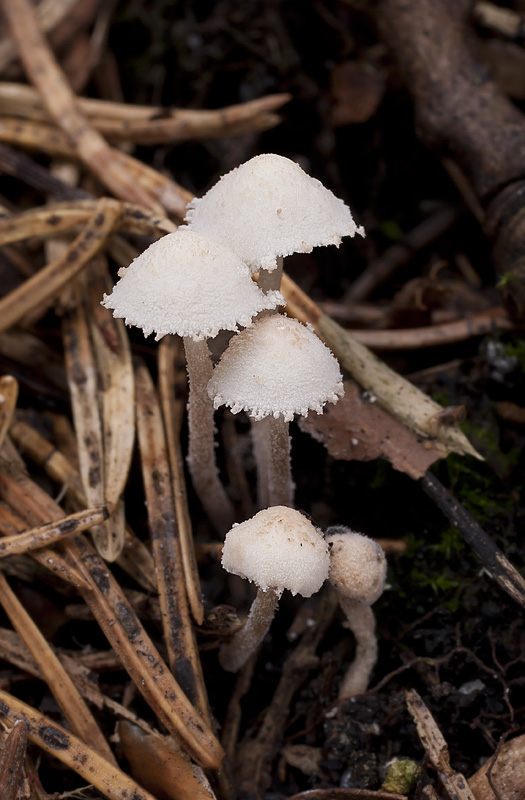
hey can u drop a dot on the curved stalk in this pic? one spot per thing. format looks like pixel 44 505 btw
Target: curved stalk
pixel 201 448
pixel 236 653
pixel 361 621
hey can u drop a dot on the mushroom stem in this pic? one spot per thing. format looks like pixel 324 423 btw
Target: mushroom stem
pixel 201 442
pixel 260 435
pixel 279 471
pixel 361 621
pixel 272 447
pixel 271 281
pixel 236 653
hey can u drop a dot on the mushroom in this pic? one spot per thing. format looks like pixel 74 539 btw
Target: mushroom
pixel 277 549
pixel 188 285
pixel 358 574
pixel 268 208
pixel 273 370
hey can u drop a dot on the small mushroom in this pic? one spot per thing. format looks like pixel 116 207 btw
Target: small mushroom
pixel 268 208
pixel 188 285
pixel 358 574
pixel 277 549
pixel 273 370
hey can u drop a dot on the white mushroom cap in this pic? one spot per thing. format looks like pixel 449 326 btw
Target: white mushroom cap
pixel 276 367
pixel 270 207
pixel 357 565
pixel 187 284
pixel 278 549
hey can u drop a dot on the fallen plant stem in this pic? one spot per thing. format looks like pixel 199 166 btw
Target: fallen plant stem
pixel 346 794
pixel 12 756
pixel 8 398
pixel 436 747
pixel 480 324
pixel 492 558
pixel 53 218
pixel 49 280
pixel 135 558
pixel 49 14
pixel 62 687
pixel 179 126
pixel 172 400
pixel 176 622
pixel 15 652
pixel 84 387
pixel 119 623
pixel 157 765
pixel 60 102
pixel 11 523
pixel 44 535
pixel 400 253
pixel 76 755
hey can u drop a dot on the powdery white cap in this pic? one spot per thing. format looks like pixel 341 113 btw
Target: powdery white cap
pixel 187 284
pixel 277 367
pixel 357 565
pixel 270 207
pixel 278 549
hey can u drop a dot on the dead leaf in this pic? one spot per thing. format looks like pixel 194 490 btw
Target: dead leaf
pixel 357 89
pixel 507 772
pixel 356 429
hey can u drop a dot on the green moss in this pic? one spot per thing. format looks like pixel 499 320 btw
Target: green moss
pixel 516 349
pixel 401 777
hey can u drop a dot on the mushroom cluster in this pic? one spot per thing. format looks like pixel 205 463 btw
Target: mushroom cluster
pixel 197 281
pixel 268 208
pixel 192 286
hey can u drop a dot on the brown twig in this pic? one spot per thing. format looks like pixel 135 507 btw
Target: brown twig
pixel 345 794
pixel 116 388
pixel 436 747
pixel 62 687
pixel 44 71
pixel 172 399
pixel 135 558
pixel 119 623
pixel 50 14
pixel 53 532
pixel 176 622
pixel 11 524
pixel 401 252
pixel 79 667
pixel 157 765
pixel 49 280
pixel 479 324
pixel 62 744
pixel 178 126
pixel 8 398
pixel 493 559
pixel 84 388
pixel 126 177
pixel 12 757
